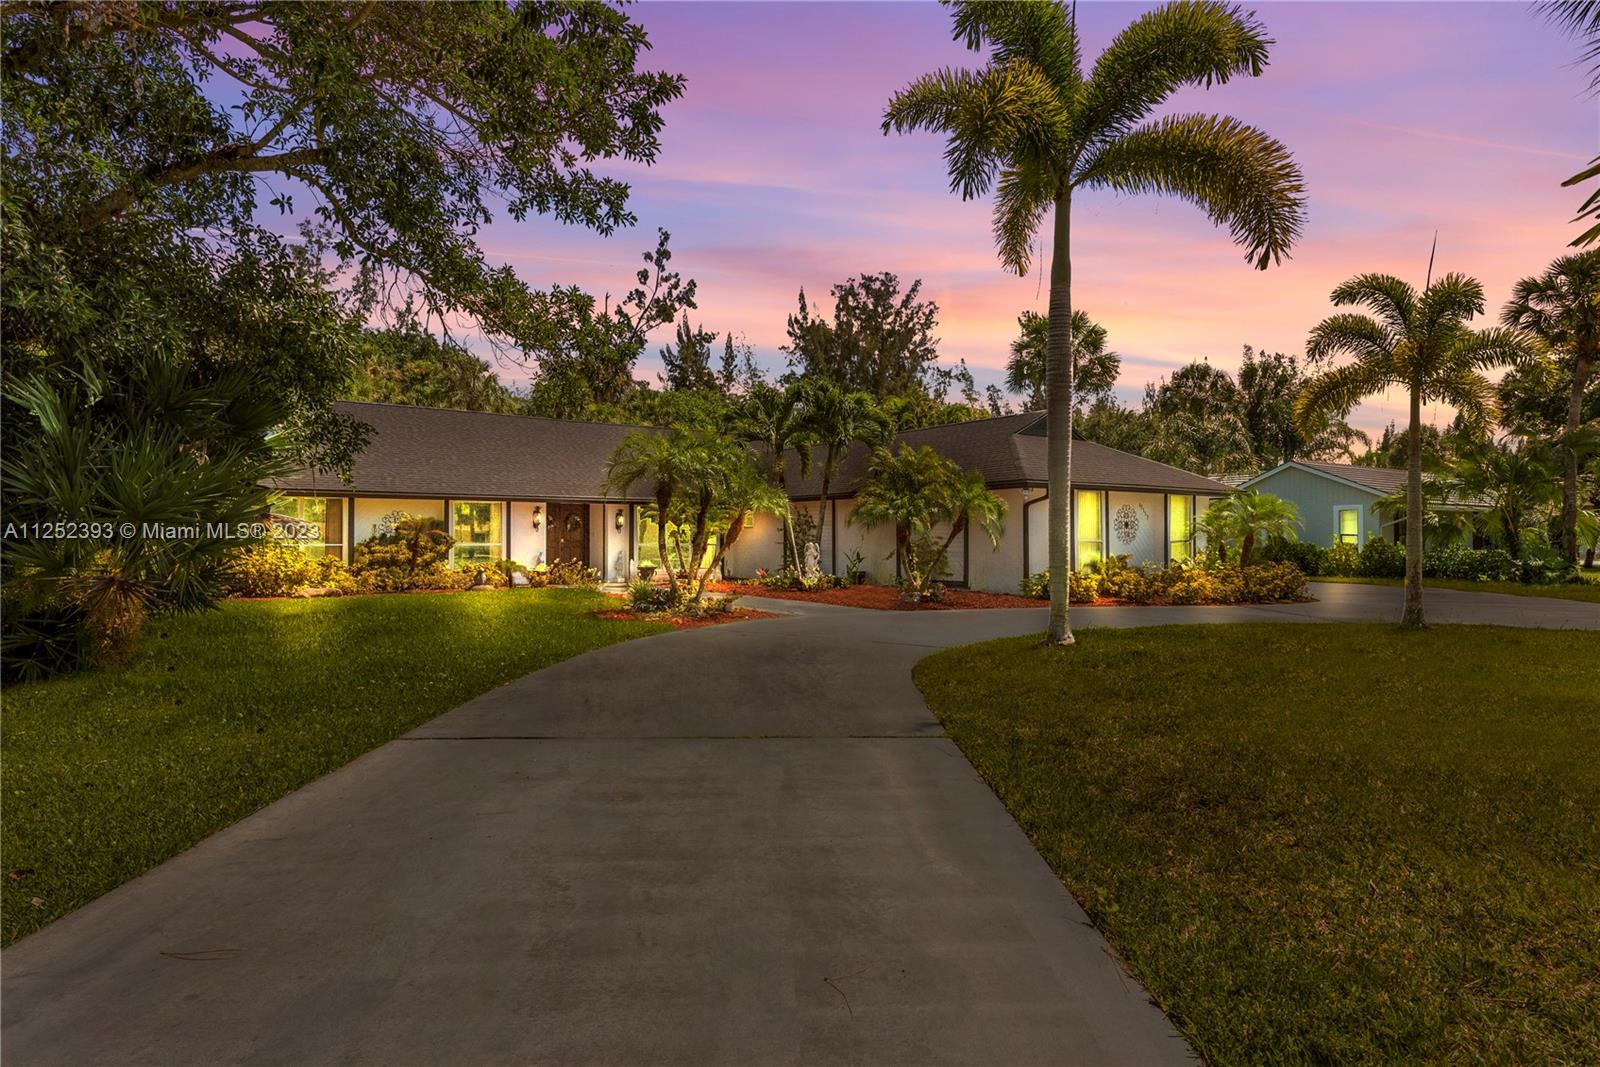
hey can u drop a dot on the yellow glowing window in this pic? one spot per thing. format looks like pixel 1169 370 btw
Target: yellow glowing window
pixel 1180 527
pixel 1089 527
pixel 1349 526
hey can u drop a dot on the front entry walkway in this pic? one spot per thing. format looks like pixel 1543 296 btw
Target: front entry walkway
pixel 742 844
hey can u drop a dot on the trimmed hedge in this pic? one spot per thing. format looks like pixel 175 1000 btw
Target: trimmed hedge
pixel 1179 583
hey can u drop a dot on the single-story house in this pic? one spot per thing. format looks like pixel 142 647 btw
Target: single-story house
pixel 1123 504
pixel 532 490
pixel 1339 502
pixel 506 487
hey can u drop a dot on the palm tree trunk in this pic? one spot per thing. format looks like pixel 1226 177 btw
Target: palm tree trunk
pixel 1569 480
pixel 1058 422
pixel 822 526
pixel 1413 611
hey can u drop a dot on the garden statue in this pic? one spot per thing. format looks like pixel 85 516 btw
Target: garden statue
pixel 812 569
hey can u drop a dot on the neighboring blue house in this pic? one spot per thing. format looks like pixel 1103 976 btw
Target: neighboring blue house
pixel 1338 502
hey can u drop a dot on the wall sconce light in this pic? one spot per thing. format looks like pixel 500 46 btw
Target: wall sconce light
pixel 622 518
pixel 538 516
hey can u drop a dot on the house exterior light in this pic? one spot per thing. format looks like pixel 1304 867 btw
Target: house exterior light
pixel 538 516
pixel 622 518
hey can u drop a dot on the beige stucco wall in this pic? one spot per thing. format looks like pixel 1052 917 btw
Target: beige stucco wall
pixel 370 511
pixel 527 544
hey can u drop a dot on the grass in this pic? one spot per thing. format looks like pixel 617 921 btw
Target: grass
pixel 107 775
pixel 1316 843
pixel 1587 589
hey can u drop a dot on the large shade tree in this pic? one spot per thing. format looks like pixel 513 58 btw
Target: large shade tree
pixel 1034 125
pixel 1419 343
pixel 1561 307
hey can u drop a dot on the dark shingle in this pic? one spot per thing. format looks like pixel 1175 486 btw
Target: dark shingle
pixel 419 451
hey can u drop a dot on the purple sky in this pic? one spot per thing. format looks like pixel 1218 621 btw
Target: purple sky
pixel 773 174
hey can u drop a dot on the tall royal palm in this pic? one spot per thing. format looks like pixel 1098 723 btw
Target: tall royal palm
pixel 1561 307
pixel 1417 342
pixel 1034 126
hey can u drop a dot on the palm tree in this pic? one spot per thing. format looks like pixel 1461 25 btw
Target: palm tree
pixel 1420 343
pixel 667 462
pixel 1561 307
pixel 835 420
pixel 916 489
pixel 1094 370
pixel 1517 481
pixel 1246 517
pixel 1581 19
pixel 1030 123
pixel 774 419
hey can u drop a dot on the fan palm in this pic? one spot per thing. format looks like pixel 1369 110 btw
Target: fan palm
pixel 1033 125
pixel 1094 370
pixel 1417 342
pixel 1561 307
pixel 834 420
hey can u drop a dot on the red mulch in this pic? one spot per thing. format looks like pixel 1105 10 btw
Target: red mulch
pixel 684 622
pixel 885 597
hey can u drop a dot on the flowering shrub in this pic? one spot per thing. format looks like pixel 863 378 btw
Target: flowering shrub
pixel 1179 583
pixel 571 572
pixel 270 568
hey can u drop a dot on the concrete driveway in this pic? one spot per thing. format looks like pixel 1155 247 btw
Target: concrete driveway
pixel 747 844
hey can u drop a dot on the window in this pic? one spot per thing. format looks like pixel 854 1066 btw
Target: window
pixel 314 523
pixel 1180 527
pixel 1089 528
pixel 477 533
pixel 1349 527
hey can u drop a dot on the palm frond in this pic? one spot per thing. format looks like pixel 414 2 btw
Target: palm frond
pixel 1453 298
pixel 1190 42
pixel 988 115
pixel 1497 347
pixel 1021 200
pixel 1581 20
pixel 1351 334
pixel 1590 208
pixel 1041 33
pixel 1394 300
pixel 1333 393
pixel 1239 176
pixel 1469 392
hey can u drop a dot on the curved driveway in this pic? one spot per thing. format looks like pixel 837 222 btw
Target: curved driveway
pixel 745 844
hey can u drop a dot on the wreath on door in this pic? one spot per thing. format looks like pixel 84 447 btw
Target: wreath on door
pixel 574 522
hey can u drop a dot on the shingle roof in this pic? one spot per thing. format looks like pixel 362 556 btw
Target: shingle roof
pixel 418 451
pixel 1011 451
pixel 436 452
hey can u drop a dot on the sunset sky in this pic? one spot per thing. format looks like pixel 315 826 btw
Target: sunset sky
pixel 773 174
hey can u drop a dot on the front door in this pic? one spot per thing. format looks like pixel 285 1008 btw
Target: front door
pixel 569 533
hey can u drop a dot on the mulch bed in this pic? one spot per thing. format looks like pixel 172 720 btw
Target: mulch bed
pixel 885 597
pixel 684 622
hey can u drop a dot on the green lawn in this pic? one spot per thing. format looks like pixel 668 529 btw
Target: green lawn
pixel 107 775
pixel 1588 589
pixel 1316 843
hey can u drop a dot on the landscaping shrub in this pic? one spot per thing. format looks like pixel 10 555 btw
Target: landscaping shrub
pixel 334 576
pixel 1118 580
pixel 1274 581
pixel 1469 564
pixel 571 572
pixel 1082 587
pixel 408 552
pixel 1309 557
pixel 1341 561
pixel 270 568
pixel 649 599
pixel 1382 559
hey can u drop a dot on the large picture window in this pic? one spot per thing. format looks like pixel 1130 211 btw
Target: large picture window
pixel 1089 526
pixel 477 531
pixel 1349 527
pixel 1180 527
pixel 314 523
